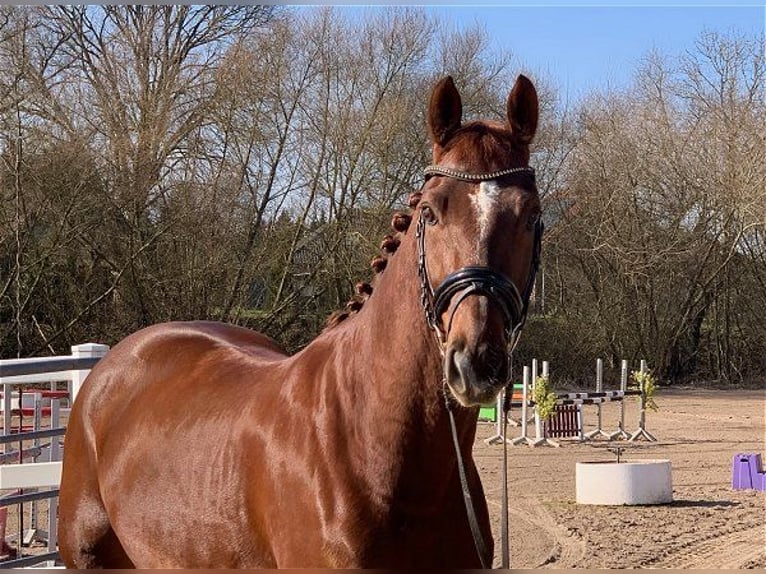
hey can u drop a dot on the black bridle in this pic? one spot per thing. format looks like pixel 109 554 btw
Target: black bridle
pixel 499 289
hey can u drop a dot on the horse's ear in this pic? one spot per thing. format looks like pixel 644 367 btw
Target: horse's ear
pixel 444 111
pixel 523 109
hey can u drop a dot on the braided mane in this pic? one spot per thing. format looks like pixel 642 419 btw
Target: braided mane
pixel 399 223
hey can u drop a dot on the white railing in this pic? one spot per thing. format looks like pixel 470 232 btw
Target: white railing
pixel 33 482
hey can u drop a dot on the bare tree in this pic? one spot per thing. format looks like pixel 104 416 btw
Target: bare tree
pixel 661 210
pixel 132 81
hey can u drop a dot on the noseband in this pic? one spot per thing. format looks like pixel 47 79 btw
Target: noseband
pixel 475 279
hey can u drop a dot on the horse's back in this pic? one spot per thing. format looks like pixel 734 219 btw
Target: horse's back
pixel 158 391
pixel 163 354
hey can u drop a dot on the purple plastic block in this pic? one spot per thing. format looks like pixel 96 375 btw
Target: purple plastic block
pixel 747 472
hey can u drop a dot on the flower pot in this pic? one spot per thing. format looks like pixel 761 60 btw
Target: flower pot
pixel 625 482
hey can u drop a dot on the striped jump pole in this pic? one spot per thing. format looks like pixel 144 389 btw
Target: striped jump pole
pixel 565 419
pixel 571 419
pixel 593 398
pixel 598 431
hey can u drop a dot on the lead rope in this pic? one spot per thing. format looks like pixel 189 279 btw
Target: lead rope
pixel 473 522
pixel 505 532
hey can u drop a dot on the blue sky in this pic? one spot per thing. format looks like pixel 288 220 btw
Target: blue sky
pixel 584 47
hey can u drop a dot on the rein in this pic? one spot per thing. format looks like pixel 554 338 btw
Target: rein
pixel 467 281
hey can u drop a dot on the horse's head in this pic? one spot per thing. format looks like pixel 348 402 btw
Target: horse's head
pixel 478 233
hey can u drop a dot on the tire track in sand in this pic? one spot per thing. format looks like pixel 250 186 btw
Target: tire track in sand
pixel 743 548
pixel 565 549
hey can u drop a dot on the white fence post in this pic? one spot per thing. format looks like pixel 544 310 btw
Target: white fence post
pixel 86 350
pixel 538 422
pixel 524 439
pixel 621 432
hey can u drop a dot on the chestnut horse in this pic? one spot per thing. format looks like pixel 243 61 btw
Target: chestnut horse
pixel 202 444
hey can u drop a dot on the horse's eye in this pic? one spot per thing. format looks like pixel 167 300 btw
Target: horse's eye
pixel 428 215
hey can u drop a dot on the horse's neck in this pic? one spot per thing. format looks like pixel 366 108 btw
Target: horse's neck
pixel 387 358
pixel 403 363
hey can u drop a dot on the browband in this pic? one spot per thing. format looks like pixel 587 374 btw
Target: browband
pixel 447 172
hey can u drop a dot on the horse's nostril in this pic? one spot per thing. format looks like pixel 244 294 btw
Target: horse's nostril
pixel 457 368
pixel 494 361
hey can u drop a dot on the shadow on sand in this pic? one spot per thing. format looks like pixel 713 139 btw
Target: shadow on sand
pixel 704 503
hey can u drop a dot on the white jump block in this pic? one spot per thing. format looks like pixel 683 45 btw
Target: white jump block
pixel 30 475
pixel 624 483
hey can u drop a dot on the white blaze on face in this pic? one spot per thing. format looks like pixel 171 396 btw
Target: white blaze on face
pixel 484 202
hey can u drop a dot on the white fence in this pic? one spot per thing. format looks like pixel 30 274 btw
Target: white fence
pixel 26 486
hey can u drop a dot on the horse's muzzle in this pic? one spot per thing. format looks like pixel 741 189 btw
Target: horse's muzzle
pixel 475 373
pixel 475 377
